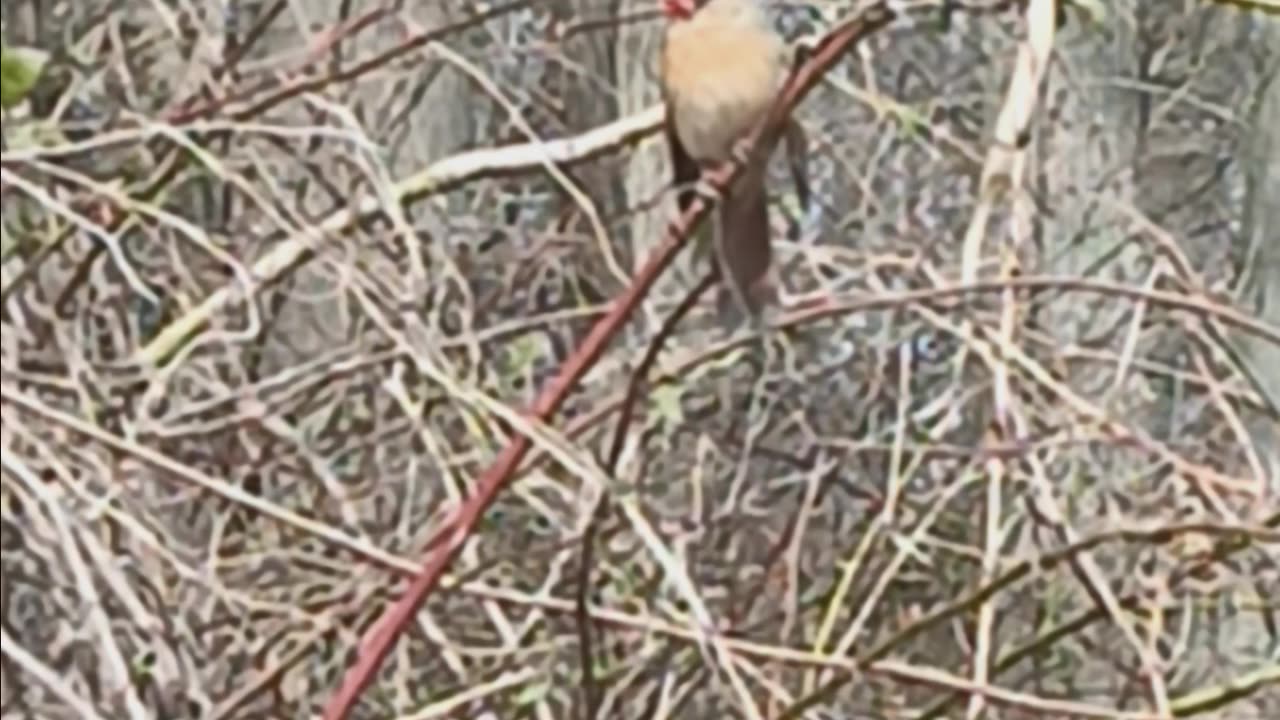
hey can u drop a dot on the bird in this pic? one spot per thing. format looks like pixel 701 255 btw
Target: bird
pixel 722 65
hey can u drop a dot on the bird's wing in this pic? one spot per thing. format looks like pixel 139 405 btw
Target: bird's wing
pixel 683 167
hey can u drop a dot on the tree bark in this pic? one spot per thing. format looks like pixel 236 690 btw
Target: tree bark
pixel 1259 278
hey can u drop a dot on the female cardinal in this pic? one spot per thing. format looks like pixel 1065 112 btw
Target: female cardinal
pixel 722 65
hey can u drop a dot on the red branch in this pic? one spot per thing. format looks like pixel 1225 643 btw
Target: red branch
pixel 378 641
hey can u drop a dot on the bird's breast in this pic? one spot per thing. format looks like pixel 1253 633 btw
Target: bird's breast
pixel 718 82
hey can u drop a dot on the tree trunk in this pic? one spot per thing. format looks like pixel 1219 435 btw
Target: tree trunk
pixel 1259 278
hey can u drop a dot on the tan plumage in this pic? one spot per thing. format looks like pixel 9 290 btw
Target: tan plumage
pixel 722 66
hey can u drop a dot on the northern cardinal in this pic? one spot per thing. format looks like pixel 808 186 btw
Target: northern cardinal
pixel 722 66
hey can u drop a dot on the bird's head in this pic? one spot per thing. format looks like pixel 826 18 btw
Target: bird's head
pixel 732 11
pixel 679 9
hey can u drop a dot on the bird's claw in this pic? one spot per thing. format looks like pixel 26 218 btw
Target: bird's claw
pixel 741 151
pixel 707 191
pixel 804 49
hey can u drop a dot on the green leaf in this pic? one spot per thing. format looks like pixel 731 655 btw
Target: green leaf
pixel 20 68
pixel 523 352
pixel 913 121
pixel 35 134
pixel 666 403
pixel 532 693
pixel 1093 10
pixel 143 665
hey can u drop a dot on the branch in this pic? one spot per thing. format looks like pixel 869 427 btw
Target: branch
pixel 438 177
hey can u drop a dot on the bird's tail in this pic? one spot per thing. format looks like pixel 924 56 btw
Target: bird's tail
pixel 743 251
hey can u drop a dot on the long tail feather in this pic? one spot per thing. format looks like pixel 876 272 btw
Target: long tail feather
pixel 743 247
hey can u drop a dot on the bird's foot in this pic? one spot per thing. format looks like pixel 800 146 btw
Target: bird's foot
pixel 707 191
pixel 804 49
pixel 742 150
